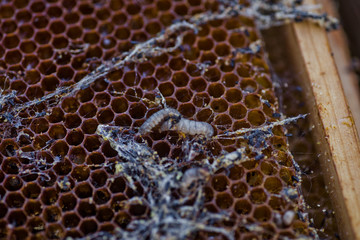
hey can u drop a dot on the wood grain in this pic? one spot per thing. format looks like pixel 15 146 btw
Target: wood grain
pixel 340 49
pixel 335 129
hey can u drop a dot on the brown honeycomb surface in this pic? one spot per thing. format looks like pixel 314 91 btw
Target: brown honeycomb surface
pixel 57 176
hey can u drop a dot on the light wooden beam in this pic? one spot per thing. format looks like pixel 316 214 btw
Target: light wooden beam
pixel 338 141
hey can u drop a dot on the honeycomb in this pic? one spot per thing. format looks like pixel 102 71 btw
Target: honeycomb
pixel 57 175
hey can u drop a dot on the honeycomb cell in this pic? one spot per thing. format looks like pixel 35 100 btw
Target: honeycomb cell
pixel 74 32
pixel 262 214
pixel 39 125
pixel 104 214
pixel 219 105
pixel 87 110
pixel 80 173
pixel 106 115
pixel 242 207
pixel 17 218
pixel 49 196
pixel 54 12
pixel 57 115
pixel 26 31
pixel 224 200
pixel 118 185
pixel 252 101
pixel 52 214
pixel 223 121
pixel 8 149
pixel 239 189
pixel 65 73
pixel 162 148
pixel 92 143
pixel 37 7
pixel 36 225
pixel 14 200
pixel 117 202
pixel 57 131
pixel 18 86
pixel 273 185
pixel 13 57
pixel 137 110
pixel 254 178
pixel 212 74
pixel 47 67
pixel 41 37
pixel 54 231
pixel 10 41
pixel 258 196
pixel 13 183
pixel 123 120
pixel 84 190
pixel 89 126
pixel 86 209
pixel 72 121
pixel 71 220
pixel 33 208
pixel 67 202
pixel 101 196
pixel 256 117
pixel 220 183
pixel 205 44
pixel 183 95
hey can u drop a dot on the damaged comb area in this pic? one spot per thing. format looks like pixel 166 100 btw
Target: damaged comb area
pixel 80 78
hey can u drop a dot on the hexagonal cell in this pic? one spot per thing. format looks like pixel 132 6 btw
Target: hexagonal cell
pixel 118 185
pixel 137 209
pixel 273 185
pixel 258 196
pixel 17 218
pixel 242 207
pixel 71 220
pixel 52 214
pixel 256 117
pixel 216 90
pixel 87 110
pixel 75 137
pixel 59 148
pixel 105 116
pixel 224 200
pixel 86 209
pixel 239 189
pixel 162 148
pixel 104 214
pixel 36 225
pixel 63 168
pixel 10 41
pixel 67 202
pixel 84 190
pixel 98 178
pixel 262 214
pixel 54 231
pixel 31 190
pixel 80 173
pixel 33 208
pixel 14 200
pixel 183 94
pixel 254 178
pixel 57 115
pixel 49 196
pixel 219 105
pixel 13 57
pixel 122 219
pixel 34 92
pixel 8 26
pixel 13 183
pixel 220 183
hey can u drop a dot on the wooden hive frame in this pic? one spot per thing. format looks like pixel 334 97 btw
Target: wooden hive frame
pixel 309 51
